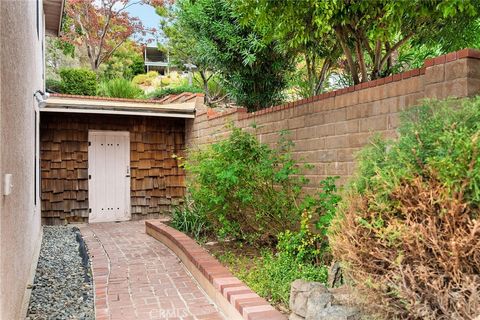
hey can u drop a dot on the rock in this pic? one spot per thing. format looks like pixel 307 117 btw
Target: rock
pixel 318 300
pixel 60 289
pixel 334 275
pixel 336 313
pixel 299 292
pixel 302 285
pixel 342 296
pixel 294 316
pixel 313 301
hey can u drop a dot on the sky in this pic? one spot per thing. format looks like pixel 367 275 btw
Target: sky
pixel 147 15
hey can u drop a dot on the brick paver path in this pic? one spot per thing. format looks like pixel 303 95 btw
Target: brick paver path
pixel 137 277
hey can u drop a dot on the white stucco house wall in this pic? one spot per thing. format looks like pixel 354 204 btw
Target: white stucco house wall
pixel 23 25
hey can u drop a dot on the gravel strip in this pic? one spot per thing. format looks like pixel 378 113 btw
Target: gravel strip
pixel 63 286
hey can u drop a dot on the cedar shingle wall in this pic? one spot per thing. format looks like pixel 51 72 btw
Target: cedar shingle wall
pixel 157 182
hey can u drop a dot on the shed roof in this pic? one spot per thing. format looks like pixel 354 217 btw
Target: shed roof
pixel 176 106
pixel 53 10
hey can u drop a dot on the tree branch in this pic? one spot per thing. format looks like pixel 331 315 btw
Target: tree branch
pixel 394 48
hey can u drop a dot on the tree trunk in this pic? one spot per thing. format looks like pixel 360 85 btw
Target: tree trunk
pixel 323 74
pixel 203 75
pixel 348 54
pixel 361 61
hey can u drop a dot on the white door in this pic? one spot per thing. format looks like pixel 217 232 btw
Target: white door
pixel 109 176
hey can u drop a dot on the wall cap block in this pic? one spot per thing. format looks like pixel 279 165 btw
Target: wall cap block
pixel 242 113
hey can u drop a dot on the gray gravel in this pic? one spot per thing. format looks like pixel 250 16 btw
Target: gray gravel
pixel 63 287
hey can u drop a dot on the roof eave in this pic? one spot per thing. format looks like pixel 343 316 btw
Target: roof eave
pixel 120 112
pixel 54 31
pixel 177 110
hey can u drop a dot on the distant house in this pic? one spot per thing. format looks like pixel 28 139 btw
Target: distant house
pixel 156 60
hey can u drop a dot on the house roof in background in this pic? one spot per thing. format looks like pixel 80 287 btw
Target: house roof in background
pixel 53 10
pixel 176 106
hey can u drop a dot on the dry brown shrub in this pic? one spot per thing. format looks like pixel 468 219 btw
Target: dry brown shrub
pixel 418 260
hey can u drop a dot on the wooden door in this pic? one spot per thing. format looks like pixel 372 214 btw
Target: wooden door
pixel 109 176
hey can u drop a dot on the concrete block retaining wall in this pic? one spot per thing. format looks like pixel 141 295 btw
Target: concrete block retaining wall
pixel 330 128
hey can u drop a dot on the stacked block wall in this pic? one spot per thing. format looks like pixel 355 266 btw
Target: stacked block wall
pixel 330 128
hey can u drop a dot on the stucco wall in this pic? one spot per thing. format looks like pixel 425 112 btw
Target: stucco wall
pixel 21 75
pixel 329 129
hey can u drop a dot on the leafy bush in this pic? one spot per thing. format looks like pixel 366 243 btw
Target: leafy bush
pixel 189 219
pixel 310 243
pixel 119 88
pixel 160 93
pixel 145 79
pixel 78 81
pixel 408 230
pixel 303 245
pixel 53 85
pixel 270 275
pixel 245 188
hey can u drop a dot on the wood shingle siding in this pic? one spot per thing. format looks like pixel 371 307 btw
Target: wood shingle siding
pixel 157 181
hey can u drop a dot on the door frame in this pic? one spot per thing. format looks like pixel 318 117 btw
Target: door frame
pixel 127 190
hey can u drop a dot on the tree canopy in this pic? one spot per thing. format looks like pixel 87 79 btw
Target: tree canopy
pixel 103 26
pixel 253 69
pixel 368 33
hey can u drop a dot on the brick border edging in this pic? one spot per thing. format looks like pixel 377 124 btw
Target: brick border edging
pixel 232 296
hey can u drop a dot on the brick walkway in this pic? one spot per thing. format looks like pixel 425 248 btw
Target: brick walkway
pixel 137 277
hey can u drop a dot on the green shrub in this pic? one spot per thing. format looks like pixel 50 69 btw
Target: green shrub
pixel 270 276
pixel 189 219
pixel 245 188
pixel 408 229
pixel 303 245
pixel 160 93
pixel 53 85
pixel 145 79
pixel 78 81
pixel 310 243
pixel 119 88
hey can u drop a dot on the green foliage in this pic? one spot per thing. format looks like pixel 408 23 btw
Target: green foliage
pixel 412 208
pixel 78 81
pixel 436 137
pixel 126 62
pixel 145 79
pixel 253 70
pixel 53 85
pixel 310 244
pixel 190 219
pixel 119 88
pixel 302 246
pixel 246 188
pixel 270 276
pixel 368 33
pixel 162 92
